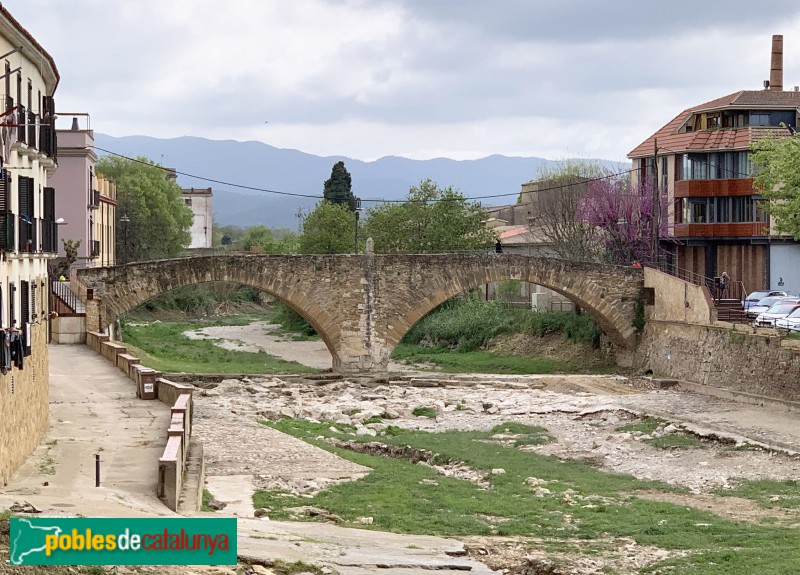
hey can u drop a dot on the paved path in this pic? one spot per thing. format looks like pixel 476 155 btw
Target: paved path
pixel 93 409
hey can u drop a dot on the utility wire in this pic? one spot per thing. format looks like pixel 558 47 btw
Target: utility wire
pixel 375 200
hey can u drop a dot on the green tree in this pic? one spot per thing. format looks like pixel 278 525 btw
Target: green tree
pixel 432 219
pixel 777 178
pixel 159 221
pixel 270 241
pixel 338 188
pixel 329 229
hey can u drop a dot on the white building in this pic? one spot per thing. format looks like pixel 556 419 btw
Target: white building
pixel 200 203
pixel 28 238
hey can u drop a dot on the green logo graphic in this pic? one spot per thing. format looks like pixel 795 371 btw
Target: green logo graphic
pixel 140 541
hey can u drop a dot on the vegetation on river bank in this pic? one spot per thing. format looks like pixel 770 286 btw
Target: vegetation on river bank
pixel 561 502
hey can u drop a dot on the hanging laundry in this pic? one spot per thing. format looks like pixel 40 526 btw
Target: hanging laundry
pixel 5 351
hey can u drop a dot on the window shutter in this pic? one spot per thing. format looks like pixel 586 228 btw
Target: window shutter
pixel 24 302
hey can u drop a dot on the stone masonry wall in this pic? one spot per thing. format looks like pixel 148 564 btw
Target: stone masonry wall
pixel 362 305
pixel 24 404
pixel 722 357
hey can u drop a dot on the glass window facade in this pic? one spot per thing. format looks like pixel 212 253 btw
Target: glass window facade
pixel 720 210
pixel 714 166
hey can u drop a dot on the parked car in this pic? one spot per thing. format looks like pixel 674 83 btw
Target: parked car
pixel 756 296
pixel 764 304
pixel 789 323
pixel 780 310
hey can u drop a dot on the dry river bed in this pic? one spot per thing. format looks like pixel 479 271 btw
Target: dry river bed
pixel 582 412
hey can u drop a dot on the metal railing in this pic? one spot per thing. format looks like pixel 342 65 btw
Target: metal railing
pixel 62 298
pixel 734 290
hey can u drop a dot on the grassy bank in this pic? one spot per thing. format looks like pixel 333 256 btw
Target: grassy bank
pixel 163 346
pixel 562 502
pixel 460 336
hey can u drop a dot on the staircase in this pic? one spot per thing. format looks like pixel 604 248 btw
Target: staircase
pixel 194 476
pixel 63 300
pixel 730 310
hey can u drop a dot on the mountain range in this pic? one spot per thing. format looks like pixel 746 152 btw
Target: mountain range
pixel 258 165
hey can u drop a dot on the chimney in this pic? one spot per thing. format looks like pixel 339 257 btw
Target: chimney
pixel 776 70
pixel 75 126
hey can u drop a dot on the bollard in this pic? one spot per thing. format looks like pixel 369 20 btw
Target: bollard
pixel 97 470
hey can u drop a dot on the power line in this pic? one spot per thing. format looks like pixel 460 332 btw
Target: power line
pixel 372 200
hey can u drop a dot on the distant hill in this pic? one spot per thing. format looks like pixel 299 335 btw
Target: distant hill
pixel 260 165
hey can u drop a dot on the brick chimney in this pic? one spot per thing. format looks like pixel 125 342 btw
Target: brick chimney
pixel 776 70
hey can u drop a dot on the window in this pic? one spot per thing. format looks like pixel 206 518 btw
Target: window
pixel 188 201
pixel 715 166
pixel 759 118
pixel 12 312
pixel 24 302
pixel 713 121
pixel 722 209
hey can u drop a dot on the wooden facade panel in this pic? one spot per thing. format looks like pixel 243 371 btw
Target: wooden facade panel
pixel 726 230
pixel 745 263
pixel 692 259
pixel 709 188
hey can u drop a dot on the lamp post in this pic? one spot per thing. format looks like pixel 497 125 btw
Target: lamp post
pixel 358 215
pixel 124 220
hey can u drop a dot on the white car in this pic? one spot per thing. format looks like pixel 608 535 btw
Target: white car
pixel 754 310
pixel 778 311
pixel 789 323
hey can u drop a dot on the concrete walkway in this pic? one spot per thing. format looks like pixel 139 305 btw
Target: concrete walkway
pixel 93 409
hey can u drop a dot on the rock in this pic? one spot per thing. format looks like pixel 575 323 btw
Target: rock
pixel 365 431
pixel 262 512
pixel 492 410
pixel 364 520
pixel 390 413
pixel 217 505
pixel 498 471
pixel 670 428
pixel 541 491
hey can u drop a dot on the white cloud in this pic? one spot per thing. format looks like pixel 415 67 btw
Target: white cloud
pixel 402 77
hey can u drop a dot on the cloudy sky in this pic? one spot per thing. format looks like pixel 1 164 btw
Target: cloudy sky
pixel 416 78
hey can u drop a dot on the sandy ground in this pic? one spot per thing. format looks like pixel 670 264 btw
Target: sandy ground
pixel 258 336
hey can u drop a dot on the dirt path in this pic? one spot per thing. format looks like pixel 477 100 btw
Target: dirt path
pixel 259 336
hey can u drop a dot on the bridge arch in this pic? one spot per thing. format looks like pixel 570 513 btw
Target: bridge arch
pixel 607 293
pixel 120 289
pixel 362 305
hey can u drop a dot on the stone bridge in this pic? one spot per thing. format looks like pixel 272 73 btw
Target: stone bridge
pixel 362 305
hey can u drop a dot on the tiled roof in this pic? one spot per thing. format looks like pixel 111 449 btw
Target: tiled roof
pixel 670 140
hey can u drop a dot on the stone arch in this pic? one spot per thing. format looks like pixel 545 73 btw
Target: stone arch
pixel 127 287
pixel 611 304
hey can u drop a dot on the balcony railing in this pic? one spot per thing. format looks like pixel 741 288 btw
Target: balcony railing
pixel 22 121
pixel 49 236
pixel 27 235
pixel 31 129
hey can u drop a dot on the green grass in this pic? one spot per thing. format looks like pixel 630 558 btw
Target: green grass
pixel 424 412
pixel 647 425
pixel 451 507
pixel 675 441
pixel 207 497
pixel 163 347
pixel 767 492
pixel 525 434
pixel 486 361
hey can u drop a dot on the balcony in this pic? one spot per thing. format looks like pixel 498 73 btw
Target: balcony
pixel 27 235
pixel 31 129
pixel 706 188
pixel 726 230
pixel 22 125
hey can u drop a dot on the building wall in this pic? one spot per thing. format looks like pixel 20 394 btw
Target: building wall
pixel 105 221
pixel 785 268
pixel 200 203
pixel 73 181
pixel 24 394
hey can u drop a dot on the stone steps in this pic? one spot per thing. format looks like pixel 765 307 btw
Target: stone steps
pixel 191 496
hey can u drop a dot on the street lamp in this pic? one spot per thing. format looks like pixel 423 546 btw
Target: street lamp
pixel 358 214
pixel 124 220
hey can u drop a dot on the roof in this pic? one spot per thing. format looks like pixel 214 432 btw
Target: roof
pixel 29 37
pixel 520 235
pixel 735 138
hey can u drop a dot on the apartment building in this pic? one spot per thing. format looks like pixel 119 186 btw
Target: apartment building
pixel 87 202
pixel 28 236
pixel 701 161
